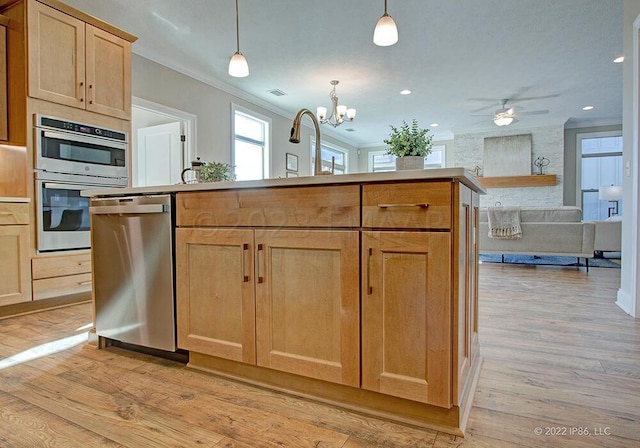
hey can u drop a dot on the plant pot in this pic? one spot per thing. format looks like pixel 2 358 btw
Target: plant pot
pixel 409 163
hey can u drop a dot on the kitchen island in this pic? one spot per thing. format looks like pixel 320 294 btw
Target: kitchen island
pixel 357 290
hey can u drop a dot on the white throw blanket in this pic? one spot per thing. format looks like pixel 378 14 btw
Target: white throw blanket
pixel 504 223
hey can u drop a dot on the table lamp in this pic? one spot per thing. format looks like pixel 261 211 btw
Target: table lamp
pixel 611 193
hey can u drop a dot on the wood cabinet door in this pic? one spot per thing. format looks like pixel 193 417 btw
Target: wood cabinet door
pixel 56 56
pixel 215 292
pixel 15 266
pixel 307 309
pixel 4 123
pixel 108 73
pixel 406 315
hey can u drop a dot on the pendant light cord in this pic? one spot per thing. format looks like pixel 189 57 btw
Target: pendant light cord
pixel 385 7
pixel 238 27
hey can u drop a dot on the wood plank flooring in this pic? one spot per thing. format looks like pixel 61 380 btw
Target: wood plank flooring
pixel 558 355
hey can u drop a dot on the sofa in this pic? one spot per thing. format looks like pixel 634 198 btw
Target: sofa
pixel 608 235
pixel 545 231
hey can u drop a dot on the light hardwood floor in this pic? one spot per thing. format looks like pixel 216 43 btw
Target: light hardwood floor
pixel 558 355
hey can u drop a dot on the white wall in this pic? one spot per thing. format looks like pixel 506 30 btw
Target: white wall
pixel 212 106
pixel 546 141
pixel 629 292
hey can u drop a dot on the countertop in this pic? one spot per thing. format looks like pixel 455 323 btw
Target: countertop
pixel 459 174
pixel 9 199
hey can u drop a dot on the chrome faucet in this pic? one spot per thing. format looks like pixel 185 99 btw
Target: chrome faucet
pixel 295 138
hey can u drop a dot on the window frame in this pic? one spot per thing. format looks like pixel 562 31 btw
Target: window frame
pixel 579 156
pixel 266 144
pixel 332 147
pixel 439 147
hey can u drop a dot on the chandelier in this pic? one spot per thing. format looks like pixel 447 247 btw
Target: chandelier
pixel 339 113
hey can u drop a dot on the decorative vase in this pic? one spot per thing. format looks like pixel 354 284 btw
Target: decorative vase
pixel 409 163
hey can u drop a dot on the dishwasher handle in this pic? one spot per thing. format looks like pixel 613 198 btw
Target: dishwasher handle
pixel 129 209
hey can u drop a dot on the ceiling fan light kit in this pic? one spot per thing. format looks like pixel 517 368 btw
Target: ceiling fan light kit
pixel 386 31
pixel 503 119
pixel 238 66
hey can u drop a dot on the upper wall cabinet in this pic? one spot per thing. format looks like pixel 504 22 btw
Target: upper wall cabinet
pixel 77 64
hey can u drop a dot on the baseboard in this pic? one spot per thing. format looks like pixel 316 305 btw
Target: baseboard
pixel 452 421
pixel 625 302
pixel 19 309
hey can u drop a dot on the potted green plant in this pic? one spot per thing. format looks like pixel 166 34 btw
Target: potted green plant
pixel 216 172
pixel 410 145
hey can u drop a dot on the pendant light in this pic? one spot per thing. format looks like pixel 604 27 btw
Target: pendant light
pixel 386 32
pixel 238 66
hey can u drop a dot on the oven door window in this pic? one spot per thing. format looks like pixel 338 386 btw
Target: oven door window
pixel 55 147
pixel 63 209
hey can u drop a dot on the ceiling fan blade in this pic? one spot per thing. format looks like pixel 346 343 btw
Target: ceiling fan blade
pixel 534 112
pixel 517 99
pixel 480 109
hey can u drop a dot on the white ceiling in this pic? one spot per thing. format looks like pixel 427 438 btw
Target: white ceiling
pixel 459 57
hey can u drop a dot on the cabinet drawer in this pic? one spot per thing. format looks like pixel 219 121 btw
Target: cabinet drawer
pixel 47 288
pixel 12 213
pixel 48 267
pixel 423 205
pixel 322 206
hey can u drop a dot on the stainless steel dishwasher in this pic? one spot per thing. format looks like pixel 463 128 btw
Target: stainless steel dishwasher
pixel 133 280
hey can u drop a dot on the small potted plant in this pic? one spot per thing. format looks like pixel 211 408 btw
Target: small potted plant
pixel 410 145
pixel 216 172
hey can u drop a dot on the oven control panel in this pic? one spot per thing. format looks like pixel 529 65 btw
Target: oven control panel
pixel 81 128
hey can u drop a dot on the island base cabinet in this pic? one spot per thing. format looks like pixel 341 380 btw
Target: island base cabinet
pixel 307 317
pixel 215 292
pixel 406 315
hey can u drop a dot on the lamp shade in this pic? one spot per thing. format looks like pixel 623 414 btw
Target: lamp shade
pixel 386 31
pixel 238 66
pixel 610 193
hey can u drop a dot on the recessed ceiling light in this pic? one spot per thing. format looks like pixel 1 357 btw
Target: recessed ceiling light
pixel 434 125
pixel 405 92
pixel 619 59
pixel 588 108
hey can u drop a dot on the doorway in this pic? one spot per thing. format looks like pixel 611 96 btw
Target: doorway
pixel 162 144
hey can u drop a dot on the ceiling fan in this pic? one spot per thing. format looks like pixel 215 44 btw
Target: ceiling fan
pixel 508 115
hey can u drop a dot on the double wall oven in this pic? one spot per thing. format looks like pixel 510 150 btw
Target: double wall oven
pixel 71 157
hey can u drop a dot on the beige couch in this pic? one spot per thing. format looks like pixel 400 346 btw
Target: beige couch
pixel 545 231
pixel 608 236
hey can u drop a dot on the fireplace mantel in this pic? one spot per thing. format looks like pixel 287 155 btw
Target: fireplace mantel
pixel 539 180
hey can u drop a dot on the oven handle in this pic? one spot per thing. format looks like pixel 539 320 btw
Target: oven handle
pixel 71 186
pixel 131 209
pixel 80 138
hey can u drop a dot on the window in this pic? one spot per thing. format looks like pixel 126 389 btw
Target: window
pixel 601 165
pixel 380 161
pixel 250 146
pixel 327 152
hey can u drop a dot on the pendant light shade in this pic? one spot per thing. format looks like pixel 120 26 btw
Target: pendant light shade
pixel 386 32
pixel 238 66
